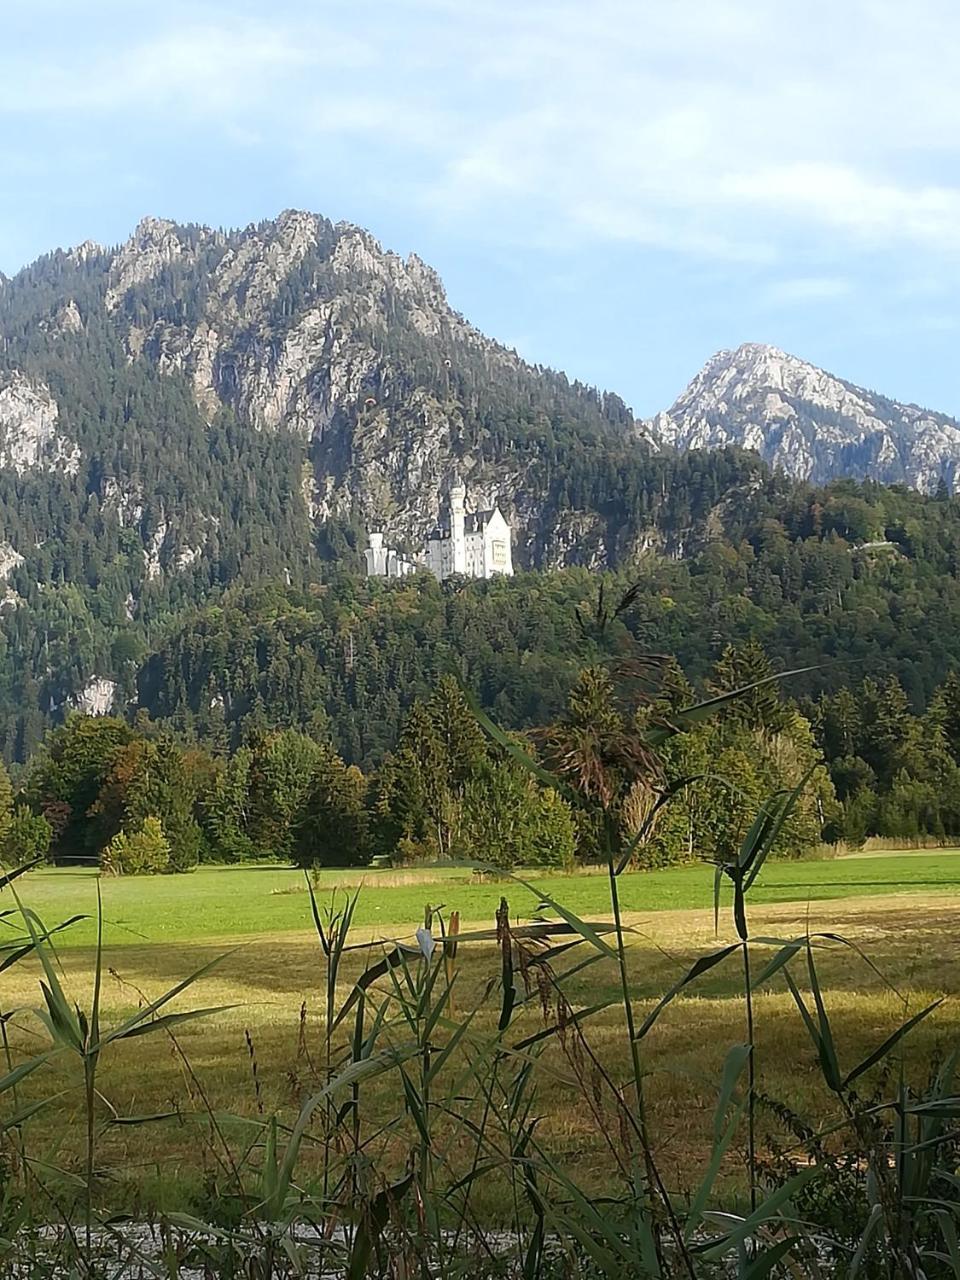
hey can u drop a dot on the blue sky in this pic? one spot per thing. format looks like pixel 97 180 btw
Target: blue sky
pixel 616 188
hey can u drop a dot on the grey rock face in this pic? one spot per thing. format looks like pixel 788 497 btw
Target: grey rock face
pixel 97 697
pixel 310 327
pixel 10 558
pixel 29 439
pixel 808 423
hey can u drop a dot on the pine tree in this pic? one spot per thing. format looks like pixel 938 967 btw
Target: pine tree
pixel 945 713
pixel 887 728
pixel 414 804
pixel 331 829
pixel 455 728
pixel 761 708
pixel 281 772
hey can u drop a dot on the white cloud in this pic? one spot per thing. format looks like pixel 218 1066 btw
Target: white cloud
pixel 718 127
pixel 722 128
pixel 193 68
pixel 875 211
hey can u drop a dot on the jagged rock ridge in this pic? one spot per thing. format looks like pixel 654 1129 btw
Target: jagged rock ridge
pixel 302 326
pixel 306 330
pixel 808 423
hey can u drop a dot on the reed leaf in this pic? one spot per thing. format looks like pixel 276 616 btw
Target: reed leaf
pixel 133 1121
pixel 873 1223
pixel 373 1222
pixel 828 1063
pixel 126 1029
pixel 681 721
pixel 890 1043
pixel 516 752
pixel 763 1263
pixel 753 856
pixel 167 1021
pixel 664 798
pixel 743 1229
pixel 696 970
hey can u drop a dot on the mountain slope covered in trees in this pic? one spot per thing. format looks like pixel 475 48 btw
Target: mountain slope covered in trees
pixel 201 411
pixel 196 426
pixel 853 581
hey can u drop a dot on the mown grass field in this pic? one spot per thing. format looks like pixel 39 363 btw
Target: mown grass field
pixel 903 911
pixel 240 902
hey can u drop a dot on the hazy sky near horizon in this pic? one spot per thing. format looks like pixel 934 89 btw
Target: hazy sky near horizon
pixel 616 188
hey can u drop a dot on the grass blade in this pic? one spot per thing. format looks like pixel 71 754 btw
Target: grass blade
pixel 685 719
pixel 647 826
pixel 696 970
pixel 779 814
pixel 167 1021
pixel 890 1043
pixel 142 1015
pixel 763 1263
pixel 513 749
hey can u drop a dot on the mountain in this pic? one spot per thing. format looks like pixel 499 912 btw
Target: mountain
pixel 197 409
pixel 301 329
pixel 808 423
pixel 199 417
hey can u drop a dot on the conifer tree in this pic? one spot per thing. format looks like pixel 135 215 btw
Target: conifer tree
pixel 738 667
pixel 281 770
pixel 331 829
pixel 6 804
pixel 945 713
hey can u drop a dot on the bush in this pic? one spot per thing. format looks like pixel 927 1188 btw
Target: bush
pixel 27 837
pixel 138 853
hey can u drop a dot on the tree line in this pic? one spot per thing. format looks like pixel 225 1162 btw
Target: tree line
pixel 133 798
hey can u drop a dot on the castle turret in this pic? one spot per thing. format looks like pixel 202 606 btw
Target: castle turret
pixel 376 556
pixel 458 544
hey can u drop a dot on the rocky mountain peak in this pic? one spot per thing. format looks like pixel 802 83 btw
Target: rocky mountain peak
pixel 155 244
pixel 807 422
pixel 83 252
pixel 151 230
pixel 311 333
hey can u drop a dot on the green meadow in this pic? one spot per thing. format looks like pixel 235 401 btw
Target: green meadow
pixel 226 903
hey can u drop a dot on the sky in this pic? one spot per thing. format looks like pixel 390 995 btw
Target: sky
pixel 617 188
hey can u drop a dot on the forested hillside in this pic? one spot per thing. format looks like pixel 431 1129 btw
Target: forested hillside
pixel 198 412
pixel 854 581
pixel 139 799
pixel 196 427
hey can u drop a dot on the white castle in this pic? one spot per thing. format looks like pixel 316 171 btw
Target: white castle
pixel 476 544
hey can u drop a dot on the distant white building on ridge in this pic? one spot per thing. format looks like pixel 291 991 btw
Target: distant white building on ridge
pixel 474 544
pixel 384 562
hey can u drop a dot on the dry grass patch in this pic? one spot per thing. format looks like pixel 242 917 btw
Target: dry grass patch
pixel 264 1055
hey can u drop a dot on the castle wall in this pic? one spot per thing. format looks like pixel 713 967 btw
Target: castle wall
pixel 482 553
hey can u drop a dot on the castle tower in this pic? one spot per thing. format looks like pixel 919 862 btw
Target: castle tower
pixel 376 556
pixel 458 544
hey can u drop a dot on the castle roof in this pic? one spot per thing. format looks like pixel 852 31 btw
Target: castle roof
pixel 477 520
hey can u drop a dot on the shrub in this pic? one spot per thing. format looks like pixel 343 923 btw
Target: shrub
pixel 27 837
pixel 136 853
